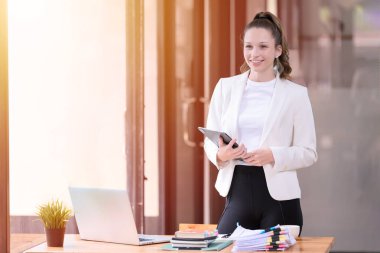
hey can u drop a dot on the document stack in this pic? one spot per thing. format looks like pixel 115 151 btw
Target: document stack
pixel 193 239
pixel 272 239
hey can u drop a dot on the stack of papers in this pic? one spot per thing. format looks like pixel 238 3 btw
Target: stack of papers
pixel 272 239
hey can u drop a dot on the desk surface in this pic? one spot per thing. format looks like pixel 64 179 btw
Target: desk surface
pixel 74 244
pixel 21 242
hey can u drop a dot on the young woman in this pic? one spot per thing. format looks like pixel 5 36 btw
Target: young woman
pixel 271 119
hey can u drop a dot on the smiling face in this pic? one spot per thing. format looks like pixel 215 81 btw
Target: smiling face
pixel 260 52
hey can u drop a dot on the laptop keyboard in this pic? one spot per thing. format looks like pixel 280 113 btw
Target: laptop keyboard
pixel 145 239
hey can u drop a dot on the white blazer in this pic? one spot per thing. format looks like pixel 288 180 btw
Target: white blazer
pixel 289 132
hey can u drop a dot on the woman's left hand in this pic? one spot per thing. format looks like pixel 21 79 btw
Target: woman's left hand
pixel 259 157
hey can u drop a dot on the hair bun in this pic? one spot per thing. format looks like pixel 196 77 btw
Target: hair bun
pixel 263 15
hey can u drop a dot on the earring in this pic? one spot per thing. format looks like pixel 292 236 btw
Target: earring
pixel 279 66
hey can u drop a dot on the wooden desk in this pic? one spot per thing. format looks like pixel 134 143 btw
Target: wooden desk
pixel 21 242
pixel 74 244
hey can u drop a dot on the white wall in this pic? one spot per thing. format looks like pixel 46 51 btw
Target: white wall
pixel 67 98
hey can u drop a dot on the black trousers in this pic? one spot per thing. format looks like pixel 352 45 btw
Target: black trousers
pixel 250 204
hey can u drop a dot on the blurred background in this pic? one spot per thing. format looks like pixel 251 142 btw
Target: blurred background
pixel 110 93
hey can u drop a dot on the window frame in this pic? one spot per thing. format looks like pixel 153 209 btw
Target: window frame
pixel 4 131
pixel 134 118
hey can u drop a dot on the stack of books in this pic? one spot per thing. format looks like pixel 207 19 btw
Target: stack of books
pixel 272 239
pixel 193 239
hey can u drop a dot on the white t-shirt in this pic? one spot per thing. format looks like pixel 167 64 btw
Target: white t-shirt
pixel 254 109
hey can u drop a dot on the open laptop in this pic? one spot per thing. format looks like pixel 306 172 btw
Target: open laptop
pixel 106 215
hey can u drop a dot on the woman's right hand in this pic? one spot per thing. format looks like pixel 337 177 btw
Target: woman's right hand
pixel 226 152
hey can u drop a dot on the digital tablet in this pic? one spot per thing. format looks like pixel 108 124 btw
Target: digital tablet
pixel 214 136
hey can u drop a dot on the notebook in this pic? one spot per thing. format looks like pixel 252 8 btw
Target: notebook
pixel 214 246
pixel 106 215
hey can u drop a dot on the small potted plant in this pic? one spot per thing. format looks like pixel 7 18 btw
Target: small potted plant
pixel 54 215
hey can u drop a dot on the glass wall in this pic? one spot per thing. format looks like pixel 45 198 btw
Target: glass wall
pixel 338 58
